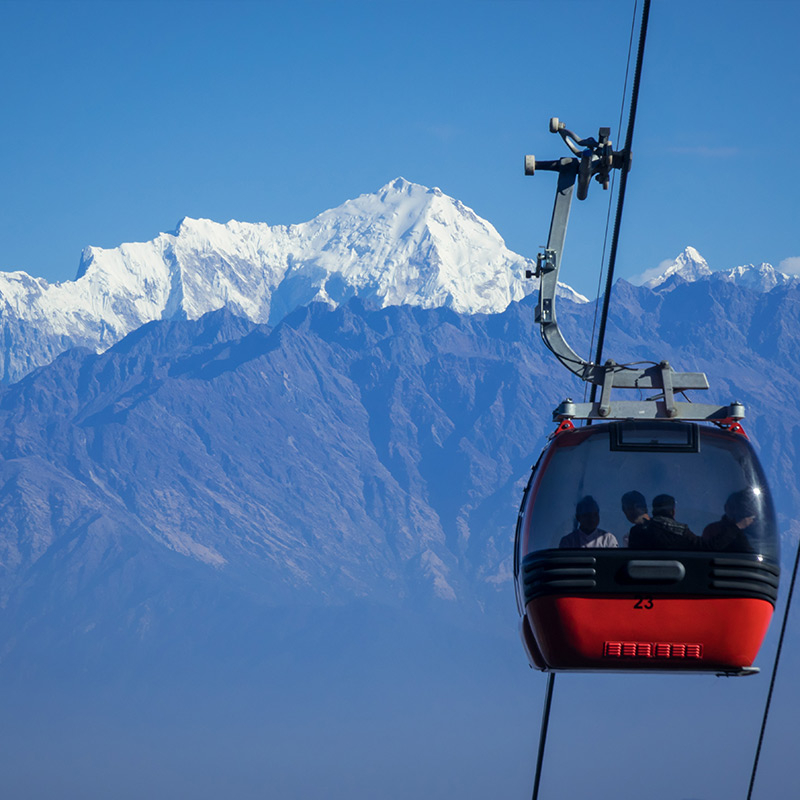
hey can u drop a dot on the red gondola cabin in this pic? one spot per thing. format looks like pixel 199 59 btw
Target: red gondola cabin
pixel 646 546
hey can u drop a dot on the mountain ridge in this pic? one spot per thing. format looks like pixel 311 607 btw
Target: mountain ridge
pixel 689 266
pixel 346 452
pixel 404 244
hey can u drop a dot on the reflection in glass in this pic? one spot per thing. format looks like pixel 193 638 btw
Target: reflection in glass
pixel 587 531
pixel 662 486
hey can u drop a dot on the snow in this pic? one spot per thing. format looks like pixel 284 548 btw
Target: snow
pixel 762 277
pixel 691 266
pixel 404 244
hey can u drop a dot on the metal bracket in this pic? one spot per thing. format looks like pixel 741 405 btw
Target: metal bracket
pixel 545 262
pixel 605 397
pixel 595 158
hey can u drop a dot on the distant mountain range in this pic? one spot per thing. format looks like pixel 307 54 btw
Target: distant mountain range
pixel 403 245
pixel 336 410
pixel 690 266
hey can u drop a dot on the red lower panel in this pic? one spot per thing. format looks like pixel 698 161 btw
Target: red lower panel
pixel 648 633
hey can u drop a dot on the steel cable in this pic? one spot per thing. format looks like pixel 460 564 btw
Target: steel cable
pixel 601 336
pixel 774 673
pixel 612 259
pixel 613 184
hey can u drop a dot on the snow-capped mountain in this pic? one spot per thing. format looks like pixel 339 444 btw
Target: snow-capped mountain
pixel 403 245
pixel 762 277
pixel 690 266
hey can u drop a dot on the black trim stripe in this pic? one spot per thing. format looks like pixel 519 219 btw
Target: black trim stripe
pixel 605 572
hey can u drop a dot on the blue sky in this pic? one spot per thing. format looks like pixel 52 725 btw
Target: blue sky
pixel 121 118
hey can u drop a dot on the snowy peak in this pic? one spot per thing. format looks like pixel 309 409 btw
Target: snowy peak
pixel 689 266
pixel 761 278
pixel 407 244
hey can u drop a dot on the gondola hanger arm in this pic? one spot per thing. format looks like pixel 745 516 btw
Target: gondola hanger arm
pixel 596 158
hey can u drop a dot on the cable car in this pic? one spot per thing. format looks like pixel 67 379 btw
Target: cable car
pixel 646 538
pixel 646 545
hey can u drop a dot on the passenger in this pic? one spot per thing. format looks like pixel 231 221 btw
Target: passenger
pixel 728 534
pixel 634 507
pixel 586 532
pixel 662 532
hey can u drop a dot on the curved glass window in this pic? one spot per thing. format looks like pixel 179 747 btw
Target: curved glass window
pixel 650 486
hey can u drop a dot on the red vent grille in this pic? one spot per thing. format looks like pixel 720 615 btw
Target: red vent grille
pixel 652 650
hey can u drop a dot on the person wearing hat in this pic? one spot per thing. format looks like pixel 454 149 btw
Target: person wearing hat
pixel 728 534
pixel 586 532
pixel 662 531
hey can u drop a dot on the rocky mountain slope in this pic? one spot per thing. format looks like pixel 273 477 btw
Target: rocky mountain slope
pixel 346 453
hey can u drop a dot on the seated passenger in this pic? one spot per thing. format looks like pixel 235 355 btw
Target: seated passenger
pixel 662 532
pixel 729 533
pixel 634 507
pixel 586 532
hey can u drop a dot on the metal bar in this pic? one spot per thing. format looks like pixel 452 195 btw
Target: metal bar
pixel 548 277
pixel 669 397
pixel 551 264
pixel 567 173
pixel 548 699
pixel 605 395
pixel 647 409
pixel 652 378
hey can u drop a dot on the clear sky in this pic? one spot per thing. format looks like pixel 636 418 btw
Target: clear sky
pixel 120 118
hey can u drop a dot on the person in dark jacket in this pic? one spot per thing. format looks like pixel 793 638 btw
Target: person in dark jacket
pixel 662 532
pixel 728 534
pixel 634 507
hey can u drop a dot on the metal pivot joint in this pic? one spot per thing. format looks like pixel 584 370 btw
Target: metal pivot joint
pixel 596 158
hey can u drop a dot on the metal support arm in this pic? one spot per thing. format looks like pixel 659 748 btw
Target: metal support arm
pixel 597 159
pixel 548 265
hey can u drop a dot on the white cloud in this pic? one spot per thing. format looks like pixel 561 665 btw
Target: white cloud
pixel 653 272
pixel 791 265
